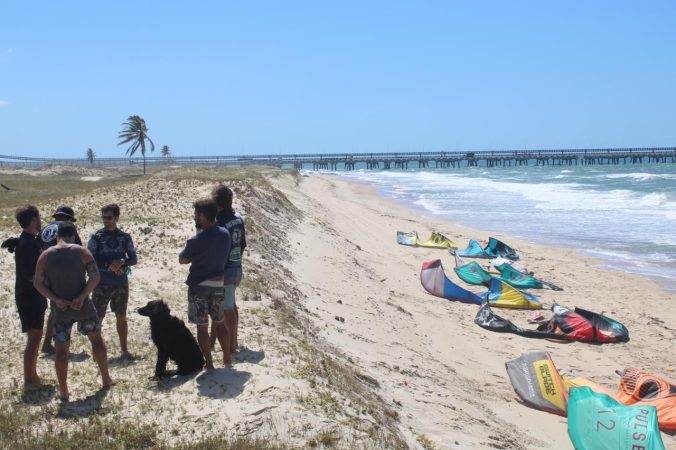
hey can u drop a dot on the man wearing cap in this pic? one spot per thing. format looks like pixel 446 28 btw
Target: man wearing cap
pixel 67 274
pixel 62 214
pixel 114 252
pixel 47 237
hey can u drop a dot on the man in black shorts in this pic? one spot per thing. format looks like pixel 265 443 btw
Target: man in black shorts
pixel 48 238
pixel 206 253
pixel 30 304
pixel 114 252
pixel 66 274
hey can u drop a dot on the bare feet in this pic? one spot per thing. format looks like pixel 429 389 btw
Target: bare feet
pixel 32 384
pixel 48 350
pixel 107 382
pixel 227 361
pixel 34 379
pixel 127 356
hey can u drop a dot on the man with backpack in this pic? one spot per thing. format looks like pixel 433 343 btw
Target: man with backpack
pixel 114 252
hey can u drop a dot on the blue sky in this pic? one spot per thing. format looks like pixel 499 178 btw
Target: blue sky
pixel 297 77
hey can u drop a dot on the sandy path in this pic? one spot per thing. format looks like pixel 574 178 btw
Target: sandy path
pixel 446 375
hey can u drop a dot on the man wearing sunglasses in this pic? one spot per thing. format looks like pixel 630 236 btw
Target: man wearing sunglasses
pixel 114 252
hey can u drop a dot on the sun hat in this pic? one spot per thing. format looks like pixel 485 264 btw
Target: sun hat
pixel 64 211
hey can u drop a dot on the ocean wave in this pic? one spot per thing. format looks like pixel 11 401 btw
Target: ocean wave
pixel 641 176
pixel 656 199
pixel 563 196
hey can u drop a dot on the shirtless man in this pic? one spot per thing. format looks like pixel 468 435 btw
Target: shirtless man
pixel 67 274
pixel 47 238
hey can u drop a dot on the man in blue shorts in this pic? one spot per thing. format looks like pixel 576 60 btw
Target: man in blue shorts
pixel 114 252
pixel 206 253
pixel 66 274
pixel 229 219
pixel 29 303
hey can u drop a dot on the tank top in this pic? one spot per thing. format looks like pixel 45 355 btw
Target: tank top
pixel 65 273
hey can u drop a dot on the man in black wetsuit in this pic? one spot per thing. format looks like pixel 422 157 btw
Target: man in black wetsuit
pixel 48 239
pixel 114 252
pixel 29 303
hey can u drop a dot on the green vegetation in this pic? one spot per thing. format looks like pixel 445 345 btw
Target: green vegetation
pixel 90 156
pixel 135 131
pixel 17 433
pixel 425 442
pixel 166 151
pixel 30 189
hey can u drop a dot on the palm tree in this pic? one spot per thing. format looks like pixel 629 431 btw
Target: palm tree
pixel 90 156
pixel 134 130
pixel 166 152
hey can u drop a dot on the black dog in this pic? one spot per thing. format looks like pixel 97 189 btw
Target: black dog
pixel 173 341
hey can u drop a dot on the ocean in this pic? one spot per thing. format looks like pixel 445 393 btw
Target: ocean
pixel 624 215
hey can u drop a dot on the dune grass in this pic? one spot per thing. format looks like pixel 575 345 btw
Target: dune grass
pixel 338 392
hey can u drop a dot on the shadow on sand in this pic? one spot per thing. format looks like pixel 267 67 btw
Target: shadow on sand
pixel 85 407
pixel 38 395
pixel 222 383
pixel 72 357
pixel 123 361
pixel 169 383
pixel 248 355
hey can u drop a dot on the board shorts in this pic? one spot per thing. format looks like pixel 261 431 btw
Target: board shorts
pixel 85 327
pixel 205 302
pixel 31 310
pixel 117 296
pixel 231 281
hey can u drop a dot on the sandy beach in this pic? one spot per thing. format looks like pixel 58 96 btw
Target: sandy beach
pixel 447 373
pixel 343 348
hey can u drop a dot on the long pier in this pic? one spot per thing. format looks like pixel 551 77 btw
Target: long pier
pixel 352 161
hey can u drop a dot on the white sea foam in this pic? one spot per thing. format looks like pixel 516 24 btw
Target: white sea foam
pixel 642 176
pixel 573 197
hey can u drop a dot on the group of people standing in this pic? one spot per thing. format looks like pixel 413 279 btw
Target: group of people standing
pixel 82 282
